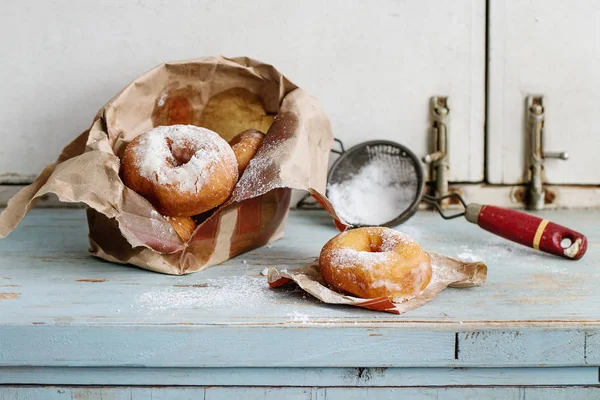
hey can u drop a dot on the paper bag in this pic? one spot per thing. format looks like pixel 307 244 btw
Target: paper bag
pixel 225 95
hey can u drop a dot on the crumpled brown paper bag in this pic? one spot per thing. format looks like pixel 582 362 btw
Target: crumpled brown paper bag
pixel 226 95
pixel 447 272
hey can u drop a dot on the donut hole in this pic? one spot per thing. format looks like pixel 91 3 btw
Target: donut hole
pixel 181 154
pixel 369 243
pixel 376 243
pixel 375 248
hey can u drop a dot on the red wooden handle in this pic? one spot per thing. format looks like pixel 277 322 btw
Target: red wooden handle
pixel 529 230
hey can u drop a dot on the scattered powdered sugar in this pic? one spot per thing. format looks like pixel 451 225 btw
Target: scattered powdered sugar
pixel 262 173
pixel 391 238
pixel 467 255
pixel 347 257
pixel 218 292
pixel 385 283
pixel 162 98
pixel 184 156
pixel 420 273
pixel 496 250
pixel 158 227
pixel 441 274
pixel 173 220
pixel 298 317
pixel 378 193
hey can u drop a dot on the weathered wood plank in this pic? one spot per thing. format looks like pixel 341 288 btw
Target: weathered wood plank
pixel 483 393
pixel 423 393
pixel 253 393
pixel 258 393
pixel 302 377
pixel 116 393
pixel 592 347
pixel 222 346
pixel 528 348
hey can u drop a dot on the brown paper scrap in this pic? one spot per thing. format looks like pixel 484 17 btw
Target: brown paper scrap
pixel 447 272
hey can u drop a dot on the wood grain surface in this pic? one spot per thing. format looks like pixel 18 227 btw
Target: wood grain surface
pixel 60 307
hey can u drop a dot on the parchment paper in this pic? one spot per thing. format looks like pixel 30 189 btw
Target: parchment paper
pixel 447 272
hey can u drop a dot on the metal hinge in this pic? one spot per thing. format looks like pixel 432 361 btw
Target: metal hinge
pixel 536 115
pixel 438 159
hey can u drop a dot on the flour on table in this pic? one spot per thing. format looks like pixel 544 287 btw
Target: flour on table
pixel 218 292
pixel 376 194
pixel 467 254
pixel 298 317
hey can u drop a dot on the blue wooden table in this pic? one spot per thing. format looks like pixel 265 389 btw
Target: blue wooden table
pixel 72 326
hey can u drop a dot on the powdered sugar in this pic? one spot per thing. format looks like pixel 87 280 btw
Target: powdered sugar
pixel 420 273
pixel 376 194
pixel 183 156
pixel 467 255
pixel 298 317
pixel 347 257
pixel 161 100
pixel 440 274
pixel 263 173
pixel 385 283
pixel 391 238
pixel 244 291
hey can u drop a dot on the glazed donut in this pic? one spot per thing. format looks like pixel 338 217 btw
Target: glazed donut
pixel 375 262
pixel 245 145
pixel 183 170
pixel 184 226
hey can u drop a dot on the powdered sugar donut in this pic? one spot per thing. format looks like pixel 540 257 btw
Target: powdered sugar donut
pixel 183 170
pixel 375 262
pixel 245 145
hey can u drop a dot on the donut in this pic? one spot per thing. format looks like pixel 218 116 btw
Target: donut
pixel 182 170
pixel 375 262
pixel 234 110
pixel 184 226
pixel 245 145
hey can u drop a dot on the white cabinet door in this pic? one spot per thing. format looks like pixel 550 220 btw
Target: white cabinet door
pixel 552 48
pixel 373 65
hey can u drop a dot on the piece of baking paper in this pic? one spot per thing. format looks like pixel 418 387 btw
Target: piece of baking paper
pixel 226 95
pixel 447 272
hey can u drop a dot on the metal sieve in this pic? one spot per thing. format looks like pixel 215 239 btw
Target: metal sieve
pixel 409 177
pixel 404 167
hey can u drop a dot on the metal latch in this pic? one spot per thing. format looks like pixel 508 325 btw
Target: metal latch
pixel 438 159
pixel 535 112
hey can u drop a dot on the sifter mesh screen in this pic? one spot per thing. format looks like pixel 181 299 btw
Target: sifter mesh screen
pixel 376 183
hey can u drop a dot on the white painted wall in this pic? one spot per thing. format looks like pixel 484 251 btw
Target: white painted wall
pixel 373 64
pixel 548 47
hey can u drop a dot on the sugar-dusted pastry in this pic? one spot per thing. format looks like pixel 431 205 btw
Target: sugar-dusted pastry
pixel 375 262
pixel 183 170
pixel 245 145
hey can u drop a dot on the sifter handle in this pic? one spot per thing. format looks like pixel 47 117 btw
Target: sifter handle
pixel 528 230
